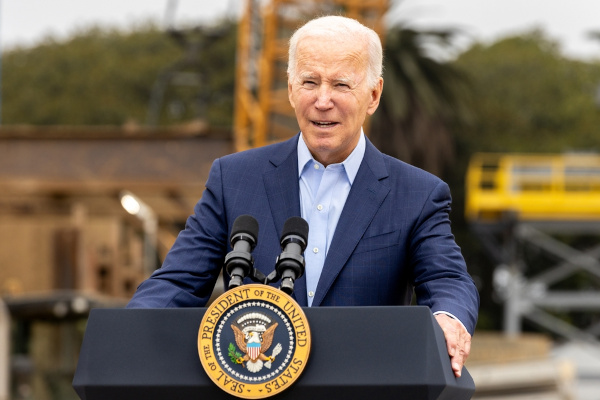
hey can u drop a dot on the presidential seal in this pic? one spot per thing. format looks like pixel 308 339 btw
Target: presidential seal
pixel 254 341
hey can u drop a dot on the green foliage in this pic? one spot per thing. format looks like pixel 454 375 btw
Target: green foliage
pixel 106 76
pixel 530 98
pixel 234 355
pixel 422 98
pixel 420 81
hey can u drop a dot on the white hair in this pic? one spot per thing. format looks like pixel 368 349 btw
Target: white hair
pixel 338 26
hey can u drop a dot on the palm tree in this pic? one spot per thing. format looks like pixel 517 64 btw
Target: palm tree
pixel 422 99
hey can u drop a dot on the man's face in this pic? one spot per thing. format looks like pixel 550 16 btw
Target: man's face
pixel 331 96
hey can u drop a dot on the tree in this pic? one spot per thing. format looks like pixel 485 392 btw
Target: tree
pixel 530 98
pixel 200 83
pixel 421 100
pixel 105 76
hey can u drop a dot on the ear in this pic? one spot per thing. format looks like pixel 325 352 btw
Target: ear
pixel 375 97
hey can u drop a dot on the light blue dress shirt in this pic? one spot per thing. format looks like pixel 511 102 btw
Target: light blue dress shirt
pixel 323 193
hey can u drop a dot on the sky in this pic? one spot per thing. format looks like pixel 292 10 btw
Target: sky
pixel 26 22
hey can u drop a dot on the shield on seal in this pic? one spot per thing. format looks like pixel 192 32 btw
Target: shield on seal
pixel 253 350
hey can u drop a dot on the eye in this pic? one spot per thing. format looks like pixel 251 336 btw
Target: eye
pixel 309 83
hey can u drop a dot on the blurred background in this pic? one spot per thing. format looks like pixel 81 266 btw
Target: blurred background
pixel 112 112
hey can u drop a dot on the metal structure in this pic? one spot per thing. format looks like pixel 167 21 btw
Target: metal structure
pixel 538 216
pixel 263 114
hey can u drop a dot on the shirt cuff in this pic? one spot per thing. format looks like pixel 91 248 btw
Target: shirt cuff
pixel 453 317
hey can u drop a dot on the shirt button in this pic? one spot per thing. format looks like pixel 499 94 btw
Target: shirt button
pixel 320 207
pixel 316 250
pixel 311 294
pixel 316 166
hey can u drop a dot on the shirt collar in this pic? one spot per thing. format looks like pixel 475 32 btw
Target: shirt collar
pixel 351 163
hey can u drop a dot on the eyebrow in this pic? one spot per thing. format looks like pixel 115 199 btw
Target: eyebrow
pixel 307 75
pixel 343 79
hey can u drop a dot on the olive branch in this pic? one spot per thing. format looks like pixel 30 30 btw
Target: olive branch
pixel 233 354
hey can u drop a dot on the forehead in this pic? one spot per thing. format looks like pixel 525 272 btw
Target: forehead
pixel 315 54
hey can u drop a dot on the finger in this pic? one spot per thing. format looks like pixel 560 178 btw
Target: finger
pixel 457 363
pixel 464 349
pixel 467 346
pixel 452 346
pixel 457 370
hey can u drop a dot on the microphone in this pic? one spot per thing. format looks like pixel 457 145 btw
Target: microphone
pixel 239 262
pixel 290 263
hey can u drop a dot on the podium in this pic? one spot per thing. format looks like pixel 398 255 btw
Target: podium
pixel 356 353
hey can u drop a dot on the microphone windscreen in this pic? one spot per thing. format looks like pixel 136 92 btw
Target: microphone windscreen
pixel 245 224
pixel 295 226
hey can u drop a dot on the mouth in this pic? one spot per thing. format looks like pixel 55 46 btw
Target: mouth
pixel 324 124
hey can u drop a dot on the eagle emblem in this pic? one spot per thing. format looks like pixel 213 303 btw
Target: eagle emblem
pixel 254 336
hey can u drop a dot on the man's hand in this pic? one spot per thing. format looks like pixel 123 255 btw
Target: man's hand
pixel 458 341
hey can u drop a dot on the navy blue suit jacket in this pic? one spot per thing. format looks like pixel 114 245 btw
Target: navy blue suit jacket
pixel 394 234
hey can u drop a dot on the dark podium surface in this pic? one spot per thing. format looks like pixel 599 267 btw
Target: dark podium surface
pixel 356 353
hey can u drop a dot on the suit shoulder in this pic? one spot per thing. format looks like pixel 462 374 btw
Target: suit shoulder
pixel 261 154
pixel 400 170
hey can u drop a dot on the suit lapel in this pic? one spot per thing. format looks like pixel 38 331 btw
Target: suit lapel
pixel 365 198
pixel 283 194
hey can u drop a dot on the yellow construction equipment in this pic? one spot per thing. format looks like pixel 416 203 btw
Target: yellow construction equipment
pixel 263 114
pixel 552 187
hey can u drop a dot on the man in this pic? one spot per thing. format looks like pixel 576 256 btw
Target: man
pixel 378 227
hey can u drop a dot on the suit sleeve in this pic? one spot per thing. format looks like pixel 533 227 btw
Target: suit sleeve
pixel 191 268
pixel 440 274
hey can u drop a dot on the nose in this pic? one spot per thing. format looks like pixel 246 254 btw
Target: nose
pixel 324 100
